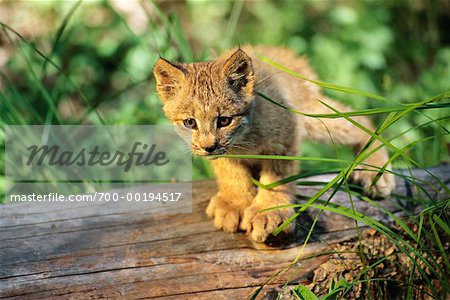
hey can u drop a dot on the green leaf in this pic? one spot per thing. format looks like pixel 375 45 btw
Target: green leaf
pixel 303 293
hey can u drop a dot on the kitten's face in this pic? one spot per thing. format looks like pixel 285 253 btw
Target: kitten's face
pixel 213 101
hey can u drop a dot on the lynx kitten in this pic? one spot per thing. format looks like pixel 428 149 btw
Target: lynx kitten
pixel 217 102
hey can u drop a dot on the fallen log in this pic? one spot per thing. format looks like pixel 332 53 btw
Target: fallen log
pixel 96 251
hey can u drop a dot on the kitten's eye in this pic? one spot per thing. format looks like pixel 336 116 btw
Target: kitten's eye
pixel 190 123
pixel 224 121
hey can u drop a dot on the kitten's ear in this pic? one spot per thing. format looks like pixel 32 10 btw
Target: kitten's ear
pixel 238 71
pixel 169 78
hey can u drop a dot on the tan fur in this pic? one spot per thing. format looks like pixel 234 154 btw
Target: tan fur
pixel 226 87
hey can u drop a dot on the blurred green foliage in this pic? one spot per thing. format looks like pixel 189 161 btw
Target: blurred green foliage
pixel 90 62
pixel 67 62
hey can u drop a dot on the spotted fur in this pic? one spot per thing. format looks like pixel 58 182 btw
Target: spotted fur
pixel 226 87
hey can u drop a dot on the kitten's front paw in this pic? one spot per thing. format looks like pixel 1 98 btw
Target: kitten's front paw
pixel 382 188
pixel 261 224
pixel 226 214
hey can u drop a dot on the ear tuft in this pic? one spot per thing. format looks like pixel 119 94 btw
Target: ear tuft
pixel 169 78
pixel 238 71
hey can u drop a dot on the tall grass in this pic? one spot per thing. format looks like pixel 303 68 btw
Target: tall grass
pixel 424 261
pixel 39 85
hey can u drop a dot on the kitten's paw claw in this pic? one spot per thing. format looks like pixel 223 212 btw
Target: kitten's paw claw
pixel 260 225
pixel 226 216
pixel 381 189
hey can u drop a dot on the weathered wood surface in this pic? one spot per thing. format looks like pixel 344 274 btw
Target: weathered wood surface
pixel 94 252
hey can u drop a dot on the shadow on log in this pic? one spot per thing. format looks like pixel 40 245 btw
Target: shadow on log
pixel 102 250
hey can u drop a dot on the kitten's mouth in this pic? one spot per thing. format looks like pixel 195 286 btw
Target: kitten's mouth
pixel 209 155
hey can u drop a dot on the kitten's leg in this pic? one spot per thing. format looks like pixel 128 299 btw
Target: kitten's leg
pixel 261 224
pixel 341 131
pixel 236 192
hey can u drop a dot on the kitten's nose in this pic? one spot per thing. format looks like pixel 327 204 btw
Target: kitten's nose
pixel 210 149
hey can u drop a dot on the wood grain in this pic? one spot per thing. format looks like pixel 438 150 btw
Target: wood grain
pixel 96 251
